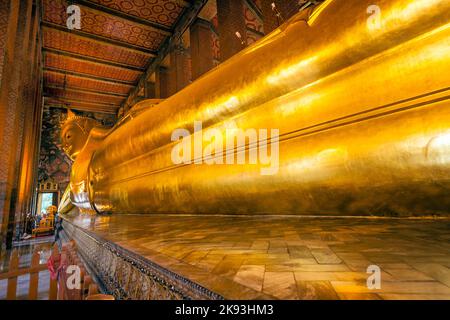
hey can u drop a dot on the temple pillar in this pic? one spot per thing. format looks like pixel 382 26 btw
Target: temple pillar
pixel 13 92
pixel 230 14
pixel 287 9
pixel 9 14
pixel 32 117
pixel 201 49
pixel 178 71
pixel 149 89
pixel 161 83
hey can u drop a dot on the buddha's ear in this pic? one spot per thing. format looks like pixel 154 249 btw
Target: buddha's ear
pixel 70 114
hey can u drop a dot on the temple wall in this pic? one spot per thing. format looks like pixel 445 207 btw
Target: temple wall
pixel 20 106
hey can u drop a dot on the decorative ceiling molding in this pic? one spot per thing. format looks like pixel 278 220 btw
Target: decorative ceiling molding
pixel 81 82
pixel 105 25
pixel 70 42
pixel 91 68
pixel 79 105
pixel 64 93
pixel 97 5
pixel 100 93
pixel 91 59
pixel 112 52
pixel 83 75
pixel 103 39
pixel 69 102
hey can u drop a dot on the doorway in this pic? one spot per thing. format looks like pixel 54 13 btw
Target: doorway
pixel 46 199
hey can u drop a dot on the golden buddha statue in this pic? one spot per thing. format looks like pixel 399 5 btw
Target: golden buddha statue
pixel 47 222
pixel 358 96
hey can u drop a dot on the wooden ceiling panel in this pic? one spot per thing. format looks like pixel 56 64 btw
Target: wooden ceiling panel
pixel 164 12
pixel 83 96
pixel 97 67
pixel 72 43
pixel 106 25
pixel 57 79
pixel 79 105
pixel 55 61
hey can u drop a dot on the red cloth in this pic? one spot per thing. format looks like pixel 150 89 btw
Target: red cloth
pixel 54 266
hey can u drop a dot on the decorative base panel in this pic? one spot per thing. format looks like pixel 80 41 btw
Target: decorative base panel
pixel 127 275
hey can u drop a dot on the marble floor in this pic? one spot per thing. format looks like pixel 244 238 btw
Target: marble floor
pixel 291 257
pixel 25 250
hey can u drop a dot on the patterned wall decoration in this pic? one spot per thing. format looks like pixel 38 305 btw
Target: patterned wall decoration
pixel 69 42
pixel 57 79
pixel 53 163
pixel 90 68
pixel 254 24
pixel 216 48
pixel 215 40
pixel 4 12
pixel 252 21
pixel 102 24
pixel 215 22
pixel 252 37
pixel 164 12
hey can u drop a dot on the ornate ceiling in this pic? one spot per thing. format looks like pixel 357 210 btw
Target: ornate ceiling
pixel 95 68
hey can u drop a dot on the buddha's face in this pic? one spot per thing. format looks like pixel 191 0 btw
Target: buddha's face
pixel 74 135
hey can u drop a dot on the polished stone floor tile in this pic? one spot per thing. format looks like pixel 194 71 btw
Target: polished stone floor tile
pixel 325 256
pixel 251 276
pixel 436 271
pixel 397 296
pixel 358 296
pixel 416 287
pixel 408 275
pixel 316 290
pixel 260 257
pixel 281 285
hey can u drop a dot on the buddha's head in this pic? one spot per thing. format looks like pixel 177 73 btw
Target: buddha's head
pixel 51 210
pixel 74 133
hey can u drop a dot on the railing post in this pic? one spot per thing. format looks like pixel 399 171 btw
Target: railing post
pixel 53 290
pixel 62 274
pixel 93 289
pixel 34 276
pixel 86 285
pixel 79 292
pixel 12 282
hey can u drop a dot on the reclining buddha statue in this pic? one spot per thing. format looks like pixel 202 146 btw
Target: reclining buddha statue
pixel 357 95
